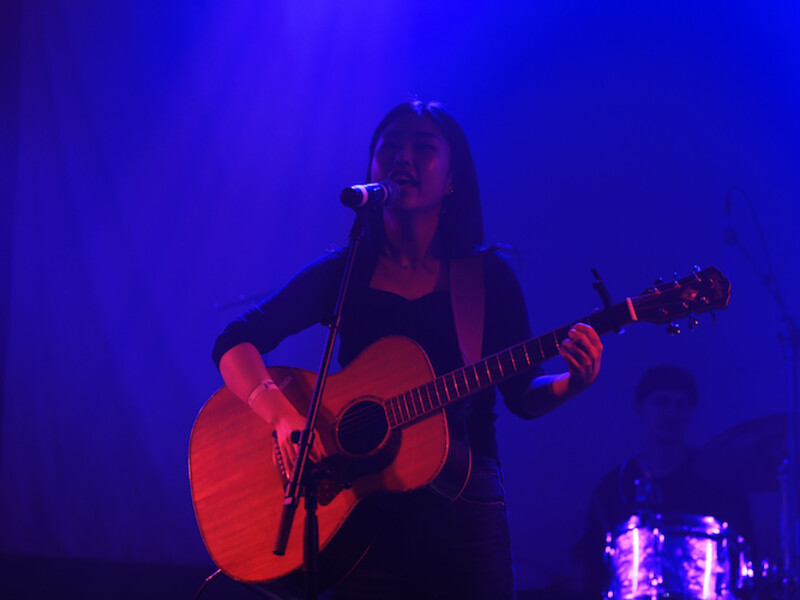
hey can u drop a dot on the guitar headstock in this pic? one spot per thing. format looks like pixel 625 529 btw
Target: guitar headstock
pixel 703 291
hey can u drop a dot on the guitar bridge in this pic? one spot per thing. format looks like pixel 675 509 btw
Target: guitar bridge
pixel 277 459
pixel 328 487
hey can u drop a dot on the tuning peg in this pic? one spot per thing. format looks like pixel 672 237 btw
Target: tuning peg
pixel 673 328
pixel 693 322
pixel 696 270
pixel 713 317
pixel 654 287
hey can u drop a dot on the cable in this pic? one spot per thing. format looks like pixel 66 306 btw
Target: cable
pixel 206 582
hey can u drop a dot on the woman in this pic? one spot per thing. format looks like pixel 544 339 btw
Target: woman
pixel 401 286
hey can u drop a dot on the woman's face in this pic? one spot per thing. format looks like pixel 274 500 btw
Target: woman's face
pixel 413 152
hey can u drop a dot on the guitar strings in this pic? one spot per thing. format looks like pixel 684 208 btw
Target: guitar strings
pixel 507 366
pixel 506 363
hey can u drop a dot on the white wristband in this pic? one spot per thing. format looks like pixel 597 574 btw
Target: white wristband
pixel 267 384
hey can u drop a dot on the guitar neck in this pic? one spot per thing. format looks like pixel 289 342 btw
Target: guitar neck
pixel 451 387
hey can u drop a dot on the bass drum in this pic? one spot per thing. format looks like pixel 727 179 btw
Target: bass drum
pixel 676 556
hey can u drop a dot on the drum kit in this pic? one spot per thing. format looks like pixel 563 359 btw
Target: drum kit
pixel 666 556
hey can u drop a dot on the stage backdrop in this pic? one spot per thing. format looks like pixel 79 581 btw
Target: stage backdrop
pixel 172 162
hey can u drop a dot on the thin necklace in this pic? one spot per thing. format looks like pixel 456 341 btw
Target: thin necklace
pixel 395 260
pixel 406 266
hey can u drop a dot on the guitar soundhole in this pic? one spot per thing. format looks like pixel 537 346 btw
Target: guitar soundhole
pixel 362 428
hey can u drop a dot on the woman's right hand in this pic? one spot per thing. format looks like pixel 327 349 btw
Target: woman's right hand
pixel 271 405
pixel 246 376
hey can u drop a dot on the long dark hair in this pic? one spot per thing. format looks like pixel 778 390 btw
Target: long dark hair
pixel 460 231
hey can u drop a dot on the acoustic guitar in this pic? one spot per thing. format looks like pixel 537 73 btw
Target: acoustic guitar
pixel 384 429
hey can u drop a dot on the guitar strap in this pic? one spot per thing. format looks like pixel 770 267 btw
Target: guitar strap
pixel 468 299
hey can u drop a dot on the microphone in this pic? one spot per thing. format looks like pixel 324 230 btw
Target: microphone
pixel 380 193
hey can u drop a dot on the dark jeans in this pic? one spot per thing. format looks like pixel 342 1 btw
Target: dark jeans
pixel 439 551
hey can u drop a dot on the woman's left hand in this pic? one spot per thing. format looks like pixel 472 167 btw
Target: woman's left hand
pixel 582 351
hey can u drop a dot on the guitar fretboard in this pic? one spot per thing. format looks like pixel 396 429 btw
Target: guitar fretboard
pixel 446 389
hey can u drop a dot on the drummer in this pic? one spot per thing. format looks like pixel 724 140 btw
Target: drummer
pixel 661 478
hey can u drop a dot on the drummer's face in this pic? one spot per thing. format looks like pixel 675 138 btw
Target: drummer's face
pixel 665 415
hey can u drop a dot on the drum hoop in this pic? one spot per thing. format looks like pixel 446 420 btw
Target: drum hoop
pixel 674 522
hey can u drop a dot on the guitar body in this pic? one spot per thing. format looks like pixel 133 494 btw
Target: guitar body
pixel 238 491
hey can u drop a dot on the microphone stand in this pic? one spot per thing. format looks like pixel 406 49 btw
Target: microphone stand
pixel 790 341
pixel 305 478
